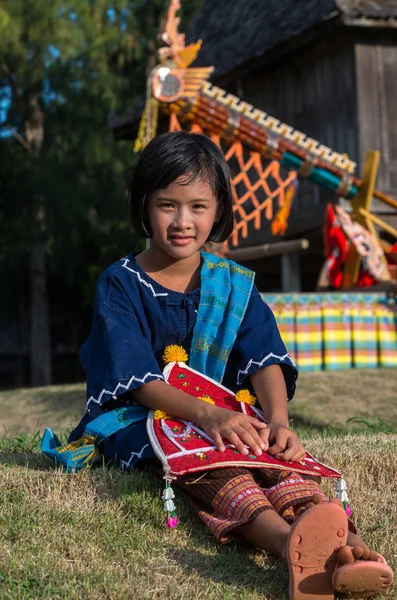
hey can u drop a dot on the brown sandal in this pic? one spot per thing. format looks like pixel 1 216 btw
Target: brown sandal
pixel 311 551
pixel 363 578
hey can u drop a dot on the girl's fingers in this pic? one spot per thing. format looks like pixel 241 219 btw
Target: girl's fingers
pixel 256 423
pixel 218 442
pixel 251 439
pixel 295 453
pixel 242 431
pixel 280 443
pixel 258 429
pixel 239 445
pixel 264 435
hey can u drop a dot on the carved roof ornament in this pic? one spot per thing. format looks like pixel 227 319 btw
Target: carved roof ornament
pixel 182 56
pixel 172 79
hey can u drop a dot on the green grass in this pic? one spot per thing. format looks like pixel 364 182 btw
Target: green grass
pixel 100 534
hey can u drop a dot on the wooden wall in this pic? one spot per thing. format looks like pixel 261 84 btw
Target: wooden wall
pixel 314 90
pixel 376 73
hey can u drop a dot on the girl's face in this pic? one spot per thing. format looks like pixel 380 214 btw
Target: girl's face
pixel 181 217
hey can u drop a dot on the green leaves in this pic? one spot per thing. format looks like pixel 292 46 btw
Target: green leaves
pixel 80 61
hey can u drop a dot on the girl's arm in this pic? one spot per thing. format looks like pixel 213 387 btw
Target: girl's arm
pixel 269 386
pixel 241 430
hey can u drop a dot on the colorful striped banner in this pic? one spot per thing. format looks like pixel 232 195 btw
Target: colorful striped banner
pixel 337 337
pixel 387 334
pixel 309 337
pixel 338 331
pixel 364 334
pixel 285 317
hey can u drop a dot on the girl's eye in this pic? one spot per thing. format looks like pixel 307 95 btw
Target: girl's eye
pixel 199 206
pixel 166 205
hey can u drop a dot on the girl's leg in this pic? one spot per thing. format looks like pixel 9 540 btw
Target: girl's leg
pixel 226 499
pixel 267 531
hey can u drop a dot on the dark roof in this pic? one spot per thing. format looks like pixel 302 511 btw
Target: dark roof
pixel 237 31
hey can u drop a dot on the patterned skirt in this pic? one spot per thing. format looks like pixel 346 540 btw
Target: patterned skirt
pixel 228 498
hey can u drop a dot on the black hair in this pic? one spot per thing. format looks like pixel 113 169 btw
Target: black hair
pixel 170 156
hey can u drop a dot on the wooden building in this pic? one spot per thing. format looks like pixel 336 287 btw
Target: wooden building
pixel 327 68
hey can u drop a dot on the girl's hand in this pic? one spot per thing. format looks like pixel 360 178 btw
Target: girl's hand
pixel 241 430
pixel 282 443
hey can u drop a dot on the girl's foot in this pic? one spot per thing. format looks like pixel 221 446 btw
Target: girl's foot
pixel 361 573
pixel 316 499
pixel 311 550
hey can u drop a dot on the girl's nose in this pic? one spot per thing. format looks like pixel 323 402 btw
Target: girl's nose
pixel 183 219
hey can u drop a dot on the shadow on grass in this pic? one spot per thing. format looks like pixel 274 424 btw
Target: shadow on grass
pixel 234 565
pixel 302 422
pixel 231 564
pixel 31 460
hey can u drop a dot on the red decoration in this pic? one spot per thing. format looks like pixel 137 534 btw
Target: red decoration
pixel 185 448
pixel 336 246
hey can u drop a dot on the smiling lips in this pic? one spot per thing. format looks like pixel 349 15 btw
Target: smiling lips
pixel 181 240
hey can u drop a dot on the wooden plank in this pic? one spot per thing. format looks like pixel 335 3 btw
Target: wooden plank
pixel 378 221
pixel 384 198
pixel 364 196
pixel 352 268
pixel 367 100
pixel 263 250
pixel 361 200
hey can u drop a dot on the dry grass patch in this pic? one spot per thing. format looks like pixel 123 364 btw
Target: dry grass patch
pixel 330 398
pixel 30 409
pixel 100 534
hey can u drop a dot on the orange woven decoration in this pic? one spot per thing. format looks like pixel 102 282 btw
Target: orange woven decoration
pixel 268 180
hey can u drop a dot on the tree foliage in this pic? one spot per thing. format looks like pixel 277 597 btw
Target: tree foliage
pixel 65 65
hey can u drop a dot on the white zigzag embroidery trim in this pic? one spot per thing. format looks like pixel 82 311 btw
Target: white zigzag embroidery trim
pixel 143 281
pixel 260 364
pixel 121 385
pixel 125 465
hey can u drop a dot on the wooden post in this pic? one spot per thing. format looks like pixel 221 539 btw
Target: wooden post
pixel 265 250
pixel 362 200
pixel 290 273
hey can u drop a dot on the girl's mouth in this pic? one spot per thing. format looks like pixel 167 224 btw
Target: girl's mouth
pixel 181 241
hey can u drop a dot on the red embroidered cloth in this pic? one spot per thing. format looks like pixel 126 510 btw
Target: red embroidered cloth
pixel 185 448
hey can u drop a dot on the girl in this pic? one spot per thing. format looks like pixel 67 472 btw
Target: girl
pixel 181 198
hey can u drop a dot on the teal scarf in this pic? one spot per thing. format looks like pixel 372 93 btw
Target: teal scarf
pixel 224 296
pixel 73 456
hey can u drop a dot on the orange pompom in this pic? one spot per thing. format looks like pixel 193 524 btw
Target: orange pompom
pixel 246 397
pixel 175 354
pixel 160 414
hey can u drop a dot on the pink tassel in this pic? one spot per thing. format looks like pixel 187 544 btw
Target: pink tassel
pixel 172 521
pixel 348 509
pixel 168 497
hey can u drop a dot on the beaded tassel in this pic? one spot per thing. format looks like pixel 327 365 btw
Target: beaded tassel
pixel 341 493
pixel 168 497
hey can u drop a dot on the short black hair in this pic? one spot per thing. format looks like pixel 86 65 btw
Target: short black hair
pixel 170 156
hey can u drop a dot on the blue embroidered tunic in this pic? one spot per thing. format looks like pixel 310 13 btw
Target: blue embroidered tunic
pixel 135 318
